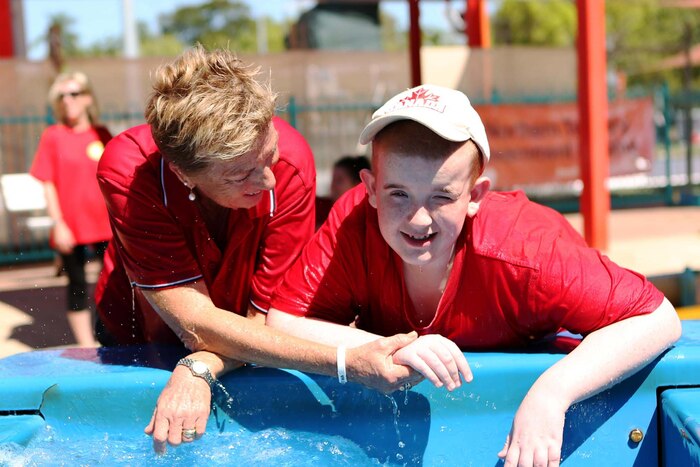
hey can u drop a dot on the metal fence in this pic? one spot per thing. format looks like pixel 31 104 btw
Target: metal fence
pixel 23 233
pixel 331 130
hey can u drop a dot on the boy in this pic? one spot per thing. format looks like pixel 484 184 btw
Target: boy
pixel 424 246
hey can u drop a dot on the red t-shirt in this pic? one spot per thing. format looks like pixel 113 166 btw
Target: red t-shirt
pixel 520 273
pixel 161 240
pixel 69 160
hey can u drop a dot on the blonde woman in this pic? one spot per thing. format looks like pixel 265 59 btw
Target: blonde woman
pixel 66 164
pixel 211 202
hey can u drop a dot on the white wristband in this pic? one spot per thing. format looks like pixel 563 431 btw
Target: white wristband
pixel 342 375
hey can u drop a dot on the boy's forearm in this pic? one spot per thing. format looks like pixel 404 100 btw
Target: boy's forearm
pixel 610 354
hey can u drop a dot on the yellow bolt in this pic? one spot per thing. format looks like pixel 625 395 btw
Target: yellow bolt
pixel 636 435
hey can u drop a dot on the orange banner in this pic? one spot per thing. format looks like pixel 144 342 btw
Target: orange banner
pixel 536 144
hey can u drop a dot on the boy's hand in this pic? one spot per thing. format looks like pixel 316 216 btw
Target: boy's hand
pixel 183 404
pixel 372 364
pixel 536 435
pixel 438 359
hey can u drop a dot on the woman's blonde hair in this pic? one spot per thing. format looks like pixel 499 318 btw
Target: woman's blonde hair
pixel 206 106
pixel 85 87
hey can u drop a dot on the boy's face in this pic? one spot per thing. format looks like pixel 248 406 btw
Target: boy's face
pixel 422 202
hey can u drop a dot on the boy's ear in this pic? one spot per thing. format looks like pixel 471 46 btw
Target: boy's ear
pixel 370 183
pixel 479 190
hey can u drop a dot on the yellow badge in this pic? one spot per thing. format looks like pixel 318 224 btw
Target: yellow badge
pixel 95 150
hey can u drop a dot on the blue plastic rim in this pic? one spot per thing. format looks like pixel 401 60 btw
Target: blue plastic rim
pixel 107 396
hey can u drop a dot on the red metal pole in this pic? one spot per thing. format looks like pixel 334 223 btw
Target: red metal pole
pixel 593 117
pixel 6 40
pixel 477 22
pixel 414 43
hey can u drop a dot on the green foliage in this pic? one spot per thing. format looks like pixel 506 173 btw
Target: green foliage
pixel 158 45
pixel 276 33
pixel 640 34
pixel 392 39
pixel 550 23
pixel 69 40
pixel 217 23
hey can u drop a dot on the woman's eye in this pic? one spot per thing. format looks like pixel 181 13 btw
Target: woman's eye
pixel 241 179
pixel 397 194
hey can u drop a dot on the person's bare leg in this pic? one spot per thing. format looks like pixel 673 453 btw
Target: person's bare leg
pixel 80 323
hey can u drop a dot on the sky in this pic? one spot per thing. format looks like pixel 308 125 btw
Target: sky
pixel 96 20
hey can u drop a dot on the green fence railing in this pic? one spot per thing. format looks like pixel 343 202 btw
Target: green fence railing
pixel 330 128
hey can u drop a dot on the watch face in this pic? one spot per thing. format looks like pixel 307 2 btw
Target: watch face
pixel 199 368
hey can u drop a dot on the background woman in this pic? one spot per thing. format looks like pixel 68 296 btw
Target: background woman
pixel 66 163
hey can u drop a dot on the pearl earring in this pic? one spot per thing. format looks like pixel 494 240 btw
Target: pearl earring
pixel 192 196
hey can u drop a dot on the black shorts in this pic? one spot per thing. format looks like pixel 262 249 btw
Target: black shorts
pixel 74 267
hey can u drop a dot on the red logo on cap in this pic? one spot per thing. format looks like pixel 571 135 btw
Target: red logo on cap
pixel 422 97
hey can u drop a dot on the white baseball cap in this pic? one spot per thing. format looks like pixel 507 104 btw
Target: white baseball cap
pixel 445 111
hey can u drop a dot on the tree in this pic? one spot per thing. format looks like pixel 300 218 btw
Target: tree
pixel 640 33
pixel 62 41
pixel 550 23
pixel 217 23
pixel 157 45
pixel 392 39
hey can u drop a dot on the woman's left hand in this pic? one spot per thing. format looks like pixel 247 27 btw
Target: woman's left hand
pixel 184 404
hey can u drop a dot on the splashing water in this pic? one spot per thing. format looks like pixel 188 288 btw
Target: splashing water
pixel 272 446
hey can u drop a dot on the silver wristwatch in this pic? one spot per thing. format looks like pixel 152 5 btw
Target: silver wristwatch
pixel 199 369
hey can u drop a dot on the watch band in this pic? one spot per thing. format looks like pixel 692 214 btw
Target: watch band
pixel 198 369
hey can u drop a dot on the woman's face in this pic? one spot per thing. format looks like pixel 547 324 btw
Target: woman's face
pixel 241 182
pixel 74 102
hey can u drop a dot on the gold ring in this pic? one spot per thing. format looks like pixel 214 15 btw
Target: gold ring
pixel 189 433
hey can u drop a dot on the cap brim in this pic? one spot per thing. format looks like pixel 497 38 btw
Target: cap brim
pixel 378 124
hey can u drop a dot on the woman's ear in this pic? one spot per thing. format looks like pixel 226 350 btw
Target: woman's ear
pixel 477 194
pixel 370 182
pixel 185 181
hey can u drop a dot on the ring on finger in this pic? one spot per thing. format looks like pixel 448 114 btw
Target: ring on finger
pixel 189 433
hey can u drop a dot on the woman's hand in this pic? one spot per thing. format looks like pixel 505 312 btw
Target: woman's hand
pixel 63 238
pixel 438 359
pixel 184 404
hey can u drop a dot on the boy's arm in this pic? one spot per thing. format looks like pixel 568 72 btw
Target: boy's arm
pixel 604 358
pixel 434 357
